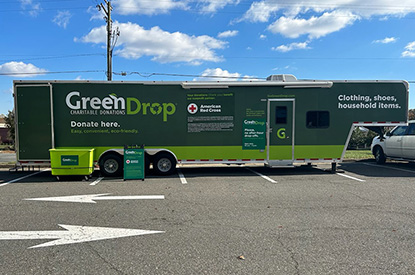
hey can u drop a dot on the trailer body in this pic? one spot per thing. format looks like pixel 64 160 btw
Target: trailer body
pixel 278 123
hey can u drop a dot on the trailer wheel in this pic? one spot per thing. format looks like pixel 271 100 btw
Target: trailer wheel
pixel 164 164
pixel 379 155
pixel 111 165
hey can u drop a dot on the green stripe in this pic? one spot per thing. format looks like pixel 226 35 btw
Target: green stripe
pixel 236 152
pixel 276 152
pixel 216 152
pixel 318 151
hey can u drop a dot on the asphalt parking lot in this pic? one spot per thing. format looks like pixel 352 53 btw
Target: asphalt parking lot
pixel 212 220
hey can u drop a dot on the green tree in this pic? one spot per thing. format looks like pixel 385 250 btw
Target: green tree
pixel 10 124
pixel 411 114
pixel 361 139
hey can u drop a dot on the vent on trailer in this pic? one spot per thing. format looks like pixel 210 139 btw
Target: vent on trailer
pixel 282 78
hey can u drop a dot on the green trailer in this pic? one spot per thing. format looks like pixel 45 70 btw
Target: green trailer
pixel 279 122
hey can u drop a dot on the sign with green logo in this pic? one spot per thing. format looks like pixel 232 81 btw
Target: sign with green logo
pixel 134 163
pixel 253 136
pixel 70 160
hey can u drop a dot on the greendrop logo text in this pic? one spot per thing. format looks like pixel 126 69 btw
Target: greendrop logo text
pixel 69 160
pixel 113 105
pixel 254 122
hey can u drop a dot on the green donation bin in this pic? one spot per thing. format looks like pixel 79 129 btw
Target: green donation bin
pixel 72 162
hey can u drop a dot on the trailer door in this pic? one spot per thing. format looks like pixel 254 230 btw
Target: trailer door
pixel 34 122
pixel 281 134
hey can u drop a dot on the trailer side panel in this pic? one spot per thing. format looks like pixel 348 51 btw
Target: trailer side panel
pixel 33 115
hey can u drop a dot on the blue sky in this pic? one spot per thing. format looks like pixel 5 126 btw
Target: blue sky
pixel 187 39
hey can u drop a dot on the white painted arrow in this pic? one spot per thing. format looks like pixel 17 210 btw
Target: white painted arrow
pixel 74 234
pixel 96 197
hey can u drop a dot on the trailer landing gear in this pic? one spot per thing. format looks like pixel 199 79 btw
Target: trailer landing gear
pixel 333 167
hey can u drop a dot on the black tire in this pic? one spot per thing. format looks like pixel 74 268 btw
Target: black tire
pixel 111 165
pixel 164 164
pixel 379 155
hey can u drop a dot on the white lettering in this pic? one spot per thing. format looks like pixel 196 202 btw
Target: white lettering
pixel 75 102
pixel 84 101
pixel 364 98
pixel 117 101
pixel 77 106
pixel 95 103
pixel 107 103
pixel 84 124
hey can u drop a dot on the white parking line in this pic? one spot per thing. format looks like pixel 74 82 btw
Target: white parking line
pixel 97 181
pixel 393 168
pixel 350 177
pixel 344 175
pixel 262 176
pixel 18 179
pixel 181 176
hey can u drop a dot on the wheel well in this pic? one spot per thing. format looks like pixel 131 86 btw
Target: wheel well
pixel 376 147
pixel 151 154
pixel 109 153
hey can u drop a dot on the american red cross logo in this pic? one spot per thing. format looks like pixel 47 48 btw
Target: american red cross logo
pixel 192 108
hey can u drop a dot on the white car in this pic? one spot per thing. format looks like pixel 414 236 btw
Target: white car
pixel 398 144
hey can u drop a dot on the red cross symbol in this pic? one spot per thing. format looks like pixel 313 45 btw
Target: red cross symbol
pixel 192 108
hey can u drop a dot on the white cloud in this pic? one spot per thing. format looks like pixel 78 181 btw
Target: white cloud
pixel 147 7
pixel 409 50
pixel 211 6
pixel 20 69
pixel 319 18
pixel 226 34
pixel 62 18
pixel 292 46
pixel 386 40
pixel 262 37
pixel 285 68
pixel 31 7
pixel 95 13
pixel 219 74
pixel 260 11
pixel 8 91
pixel 165 47
pixel 385 8
pixel 128 7
pixel 315 27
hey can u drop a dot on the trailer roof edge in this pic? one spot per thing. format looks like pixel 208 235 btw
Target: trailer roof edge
pixel 221 85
